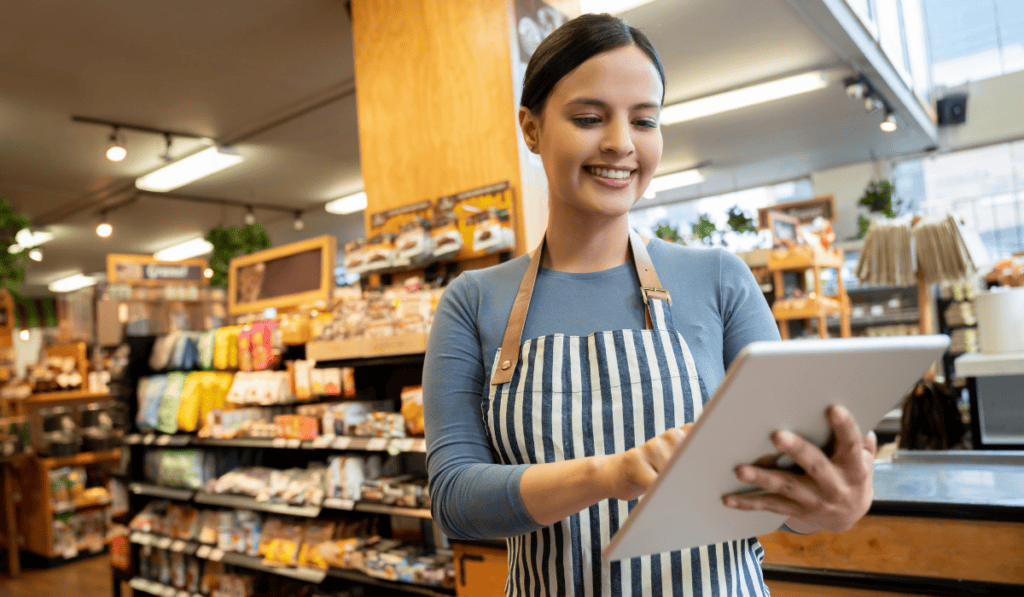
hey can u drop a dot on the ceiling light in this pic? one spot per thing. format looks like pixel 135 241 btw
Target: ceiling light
pixel 747 96
pixel 857 89
pixel 873 104
pixel 208 273
pixel 116 151
pixel 24 334
pixel 889 124
pixel 71 283
pixel 35 254
pixel 610 6
pixel 184 171
pixel 298 224
pixel 28 238
pixel 104 229
pixel 673 181
pixel 190 248
pixel 347 205
pixel 250 216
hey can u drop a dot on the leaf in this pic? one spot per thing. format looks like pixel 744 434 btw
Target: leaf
pixel 704 227
pixel 739 221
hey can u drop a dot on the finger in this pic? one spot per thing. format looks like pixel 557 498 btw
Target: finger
pixel 784 483
pixel 848 436
pixel 767 502
pixel 871 444
pixel 816 465
pixel 687 427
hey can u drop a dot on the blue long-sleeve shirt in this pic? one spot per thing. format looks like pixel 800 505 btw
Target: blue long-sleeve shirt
pixel 716 305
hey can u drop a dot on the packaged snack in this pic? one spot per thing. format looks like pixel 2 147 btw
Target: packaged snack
pixel 492 231
pixel 225 530
pixel 271 531
pixel 380 252
pixel 446 235
pixel 167 415
pixel 248 526
pixel 181 468
pixel 284 550
pixel 317 533
pixel 414 243
pixel 179 572
pixel 210 580
pixel 355 256
pixel 412 409
pixel 208 527
pixel 192 574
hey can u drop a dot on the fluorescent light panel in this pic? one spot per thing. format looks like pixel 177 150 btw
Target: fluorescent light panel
pixel 673 181
pixel 190 248
pixel 28 239
pixel 347 205
pixel 70 283
pixel 740 98
pixel 192 168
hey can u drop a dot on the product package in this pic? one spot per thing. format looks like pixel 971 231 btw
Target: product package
pixel 412 410
pixel 446 235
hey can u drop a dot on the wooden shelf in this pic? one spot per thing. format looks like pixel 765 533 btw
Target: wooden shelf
pixel 68 396
pixel 803 257
pixel 361 348
pixel 81 459
pixel 342 443
pixel 787 309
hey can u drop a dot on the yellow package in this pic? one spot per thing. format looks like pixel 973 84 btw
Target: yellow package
pixel 225 349
pixel 214 393
pixel 188 406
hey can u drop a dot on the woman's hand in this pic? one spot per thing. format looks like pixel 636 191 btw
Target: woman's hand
pixel 832 494
pixel 628 475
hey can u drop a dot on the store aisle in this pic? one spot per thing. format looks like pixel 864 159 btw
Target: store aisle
pixel 90 577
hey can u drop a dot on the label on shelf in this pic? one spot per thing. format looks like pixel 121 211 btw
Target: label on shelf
pixel 295 443
pixel 216 555
pixel 342 443
pixel 339 504
pixel 164 543
pixel 133 439
pixel 406 445
pixel 182 594
pixel 420 445
pixel 377 444
pixel 280 442
pixel 163 440
pixel 204 551
pixel 169 592
pixel 148 439
pixel 178 545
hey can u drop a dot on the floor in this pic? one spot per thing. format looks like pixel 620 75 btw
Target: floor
pixel 90 577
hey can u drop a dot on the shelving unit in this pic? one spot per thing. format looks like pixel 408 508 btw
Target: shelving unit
pixel 814 305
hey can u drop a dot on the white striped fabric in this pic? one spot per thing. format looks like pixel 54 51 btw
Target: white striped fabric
pixel 572 397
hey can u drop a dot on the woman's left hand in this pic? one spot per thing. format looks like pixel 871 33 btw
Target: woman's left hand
pixel 832 494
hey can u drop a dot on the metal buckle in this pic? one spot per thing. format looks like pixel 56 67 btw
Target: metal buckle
pixel 667 297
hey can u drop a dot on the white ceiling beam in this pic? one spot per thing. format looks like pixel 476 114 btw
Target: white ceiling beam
pixel 843 31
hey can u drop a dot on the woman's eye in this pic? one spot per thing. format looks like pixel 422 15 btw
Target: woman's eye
pixel 648 123
pixel 586 120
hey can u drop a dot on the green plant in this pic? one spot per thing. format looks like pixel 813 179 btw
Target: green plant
pixel 703 228
pixel 739 221
pixel 666 232
pixel 230 242
pixel 878 199
pixel 12 265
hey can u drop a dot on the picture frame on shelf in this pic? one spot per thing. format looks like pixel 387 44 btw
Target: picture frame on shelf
pixel 784 228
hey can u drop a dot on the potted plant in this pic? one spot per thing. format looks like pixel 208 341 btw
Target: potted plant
pixel 878 199
pixel 230 242
pixel 13 266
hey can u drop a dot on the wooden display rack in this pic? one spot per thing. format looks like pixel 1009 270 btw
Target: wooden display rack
pixel 815 306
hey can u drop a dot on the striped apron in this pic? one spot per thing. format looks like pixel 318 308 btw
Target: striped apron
pixel 562 397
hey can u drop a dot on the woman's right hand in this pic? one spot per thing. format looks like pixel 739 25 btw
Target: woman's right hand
pixel 628 475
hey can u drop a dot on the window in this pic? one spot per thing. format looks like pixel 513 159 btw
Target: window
pixel 974 40
pixel 984 187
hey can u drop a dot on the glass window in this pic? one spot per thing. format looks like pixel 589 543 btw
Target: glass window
pixel 964 40
pixel 1010 21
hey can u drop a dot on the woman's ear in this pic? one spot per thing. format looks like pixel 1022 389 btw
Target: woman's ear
pixel 530 126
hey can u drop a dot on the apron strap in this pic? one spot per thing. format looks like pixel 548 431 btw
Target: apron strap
pixel 650 288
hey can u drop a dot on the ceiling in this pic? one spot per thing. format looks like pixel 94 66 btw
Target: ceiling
pixel 275 79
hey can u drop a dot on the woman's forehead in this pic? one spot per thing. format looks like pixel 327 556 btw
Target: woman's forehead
pixel 624 74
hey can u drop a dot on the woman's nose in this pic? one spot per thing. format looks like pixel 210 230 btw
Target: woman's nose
pixel 617 138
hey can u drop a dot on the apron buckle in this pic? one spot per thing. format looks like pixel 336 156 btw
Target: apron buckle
pixel 656 293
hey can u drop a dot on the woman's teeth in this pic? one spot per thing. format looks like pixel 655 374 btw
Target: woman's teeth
pixel 608 172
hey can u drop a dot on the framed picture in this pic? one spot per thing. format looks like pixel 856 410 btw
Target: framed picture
pixel 782 227
pixel 283 277
pixel 804 211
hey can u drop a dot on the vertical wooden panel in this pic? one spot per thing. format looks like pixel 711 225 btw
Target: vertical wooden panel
pixel 435 100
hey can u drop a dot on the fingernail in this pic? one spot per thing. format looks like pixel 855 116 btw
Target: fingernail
pixel 784 437
pixel 743 473
pixel 730 502
pixel 839 413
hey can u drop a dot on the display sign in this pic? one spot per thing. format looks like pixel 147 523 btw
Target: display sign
pixel 804 211
pixel 474 223
pixel 283 277
pixel 143 269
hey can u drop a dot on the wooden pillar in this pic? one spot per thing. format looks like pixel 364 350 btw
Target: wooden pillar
pixel 437 86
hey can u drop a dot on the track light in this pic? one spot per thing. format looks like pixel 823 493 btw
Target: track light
pixel 889 123
pixel 208 272
pixel 35 254
pixel 250 216
pixel 104 229
pixel 873 104
pixel 857 89
pixel 298 224
pixel 24 335
pixel 116 151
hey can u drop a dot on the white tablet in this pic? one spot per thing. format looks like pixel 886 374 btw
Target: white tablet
pixel 769 386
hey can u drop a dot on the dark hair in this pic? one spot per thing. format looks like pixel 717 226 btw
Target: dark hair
pixel 574 43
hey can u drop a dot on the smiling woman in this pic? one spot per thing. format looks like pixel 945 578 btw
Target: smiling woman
pixel 550 441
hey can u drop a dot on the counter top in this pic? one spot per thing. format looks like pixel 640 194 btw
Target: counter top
pixel 976 364
pixel 975 484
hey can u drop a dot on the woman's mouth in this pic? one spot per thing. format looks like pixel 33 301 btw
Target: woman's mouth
pixel 611 176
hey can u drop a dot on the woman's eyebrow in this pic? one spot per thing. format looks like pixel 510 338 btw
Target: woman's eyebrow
pixel 589 101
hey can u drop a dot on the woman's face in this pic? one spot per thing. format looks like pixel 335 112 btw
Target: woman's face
pixel 599 136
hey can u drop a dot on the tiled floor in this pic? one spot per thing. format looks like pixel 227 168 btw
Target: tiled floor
pixel 90 577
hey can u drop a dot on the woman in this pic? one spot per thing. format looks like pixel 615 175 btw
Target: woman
pixel 551 440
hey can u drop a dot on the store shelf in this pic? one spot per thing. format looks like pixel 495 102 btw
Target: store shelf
pixel 168 493
pixel 978 364
pixel 241 501
pixel 366 579
pixel 803 257
pixel 66 396
pixel 341 443
pixel 805 308
pixel 871 321
pixel 375 508
pixel 366 348
pixel 81 459
pixel 149 587
pixel 71 508
pixel 242 560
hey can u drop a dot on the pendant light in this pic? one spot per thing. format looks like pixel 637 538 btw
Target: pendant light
pixel 116 151
pixel 104 230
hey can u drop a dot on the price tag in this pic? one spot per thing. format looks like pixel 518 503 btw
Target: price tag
pixel 216 555
pixel 181 594
pixel 342 443
pixel 421 445
pixel 163 440
pixel 280 442
pixel 178 545
pixel 295 443
pixel 377 444
pixel 204 551
pixel 339 503
pixel 148 439
pixel 133 439
pixel 164 543
pixel 323 441
pixel 169 591
pixel 407 444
